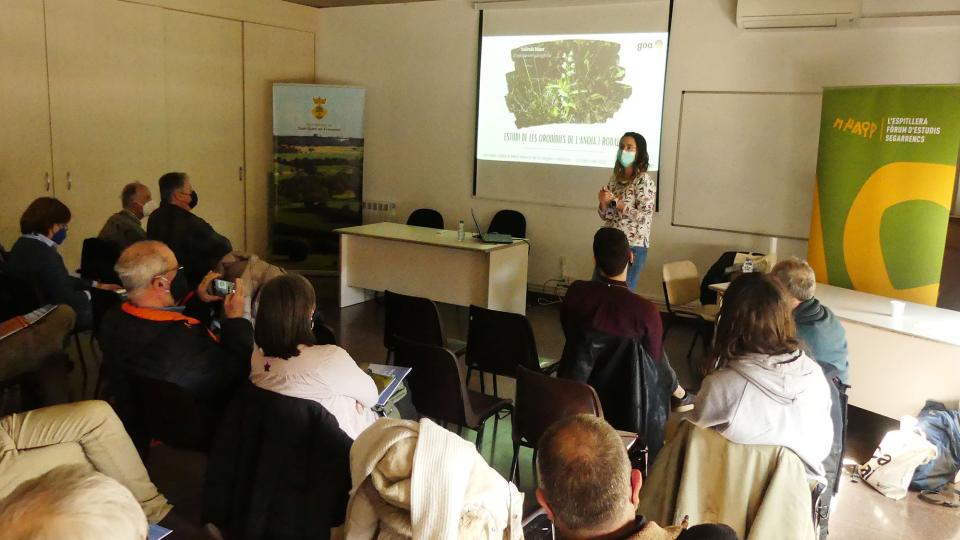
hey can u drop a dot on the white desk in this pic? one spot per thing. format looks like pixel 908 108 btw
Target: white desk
pixel 431 263
pixel 895 364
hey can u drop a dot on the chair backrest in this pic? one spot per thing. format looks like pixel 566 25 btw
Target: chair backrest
pixel 279 467
pixel 436 382
pixel 413 318
pixel 426 217
pixel 509 222
pixel 499 341
pixel 171 414
pixel 681 283
pixel 97 260
pixel 542 400
pixel 324 334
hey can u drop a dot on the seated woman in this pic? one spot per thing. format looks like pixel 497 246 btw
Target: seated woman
pixel 765 390
pixel 34 258
pixel 286 359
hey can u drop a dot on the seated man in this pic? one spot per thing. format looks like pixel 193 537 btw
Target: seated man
pixel 149 336
pixel 819 329
pixel 197 246
pixel 608 306
pixel 587 487
pixel 87 433
pixel 72 501
pixel 124 228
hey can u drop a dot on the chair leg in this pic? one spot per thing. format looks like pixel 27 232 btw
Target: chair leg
pixel 693 343
pixel 515 464
pixel 496 393
pixel 480 435
pixel 533 467
pixel 83 366
pixel 469 374
pixel 483 379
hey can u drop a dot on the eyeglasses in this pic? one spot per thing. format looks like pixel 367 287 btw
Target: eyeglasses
pixel 162 274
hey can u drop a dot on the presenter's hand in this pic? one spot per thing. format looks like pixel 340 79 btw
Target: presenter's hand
pixel 234 304
pixel 605 196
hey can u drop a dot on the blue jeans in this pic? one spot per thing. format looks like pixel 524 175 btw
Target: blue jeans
pixel 633 270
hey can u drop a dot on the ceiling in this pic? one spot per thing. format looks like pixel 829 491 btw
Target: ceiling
pixel 343 3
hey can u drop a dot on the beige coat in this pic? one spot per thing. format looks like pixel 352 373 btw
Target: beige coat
pixel 418 480
pixel 761 491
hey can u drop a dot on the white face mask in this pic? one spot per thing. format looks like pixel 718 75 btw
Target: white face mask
pixel 150 207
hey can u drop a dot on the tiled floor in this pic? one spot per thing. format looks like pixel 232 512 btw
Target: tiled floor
pixel 859 512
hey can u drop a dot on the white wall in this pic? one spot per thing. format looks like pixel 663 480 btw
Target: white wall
pixel 419 61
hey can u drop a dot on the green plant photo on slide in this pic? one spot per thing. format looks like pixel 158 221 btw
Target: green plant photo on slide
pixel 571 81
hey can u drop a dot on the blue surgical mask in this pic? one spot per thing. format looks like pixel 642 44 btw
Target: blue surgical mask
pixel 60 236
pixel 627 157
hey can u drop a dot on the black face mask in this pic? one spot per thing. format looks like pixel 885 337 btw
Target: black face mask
pixel 193 199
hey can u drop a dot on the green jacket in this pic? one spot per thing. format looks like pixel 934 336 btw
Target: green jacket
pixel 761 491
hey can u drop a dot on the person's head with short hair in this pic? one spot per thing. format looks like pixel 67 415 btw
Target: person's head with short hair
pixel 611 253
pixel 175 189
pixel 755 319
pixel 147 270
pixel 72 501
pixel 709 531
pixel 587 486
pixel 134 197
pixel 285 316
pixel 798 277
pixel 45 216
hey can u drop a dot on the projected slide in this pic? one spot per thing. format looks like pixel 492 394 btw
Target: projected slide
pixel 566 99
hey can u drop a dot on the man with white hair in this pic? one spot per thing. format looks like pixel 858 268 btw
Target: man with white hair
pixel 150 336
pixel 823 337
pixel 72 501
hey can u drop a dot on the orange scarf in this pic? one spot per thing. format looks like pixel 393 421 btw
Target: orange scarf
pixel 163 315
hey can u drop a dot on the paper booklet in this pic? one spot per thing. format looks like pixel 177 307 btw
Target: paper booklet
pixel 387 379
pixel 18 323
pixel 156 532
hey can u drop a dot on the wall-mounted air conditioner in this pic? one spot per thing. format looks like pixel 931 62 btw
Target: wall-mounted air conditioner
pixel 758 14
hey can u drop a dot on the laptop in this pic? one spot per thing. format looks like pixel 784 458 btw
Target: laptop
pixel 491 238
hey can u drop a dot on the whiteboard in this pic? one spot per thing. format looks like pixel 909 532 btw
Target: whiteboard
pixel 747 162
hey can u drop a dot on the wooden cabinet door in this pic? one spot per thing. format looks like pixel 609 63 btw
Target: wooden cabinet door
pixel 204 101
pixel 25 165
pixel 107 106
pixel 270 55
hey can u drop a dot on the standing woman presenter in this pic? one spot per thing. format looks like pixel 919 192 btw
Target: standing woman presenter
pixel 627 201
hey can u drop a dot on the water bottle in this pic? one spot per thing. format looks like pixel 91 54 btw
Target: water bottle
pixel 460 231
pixel 748 265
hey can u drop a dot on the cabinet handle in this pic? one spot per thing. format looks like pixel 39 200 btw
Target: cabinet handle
pixel 240 174
pixel 46 178
pixel 69 181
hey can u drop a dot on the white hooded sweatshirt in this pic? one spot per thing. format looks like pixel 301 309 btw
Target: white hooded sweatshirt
pixel 782 400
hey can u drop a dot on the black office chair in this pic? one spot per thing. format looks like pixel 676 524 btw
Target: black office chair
pixel 324 334
pixel 415 319
pixel 498 342
pixel 97 260
pixel 426 217
pixel 438 390
pixel 509 222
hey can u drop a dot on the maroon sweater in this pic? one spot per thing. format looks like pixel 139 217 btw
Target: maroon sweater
pixel 609 307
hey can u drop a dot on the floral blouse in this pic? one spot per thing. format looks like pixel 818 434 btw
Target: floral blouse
pixel 639 197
